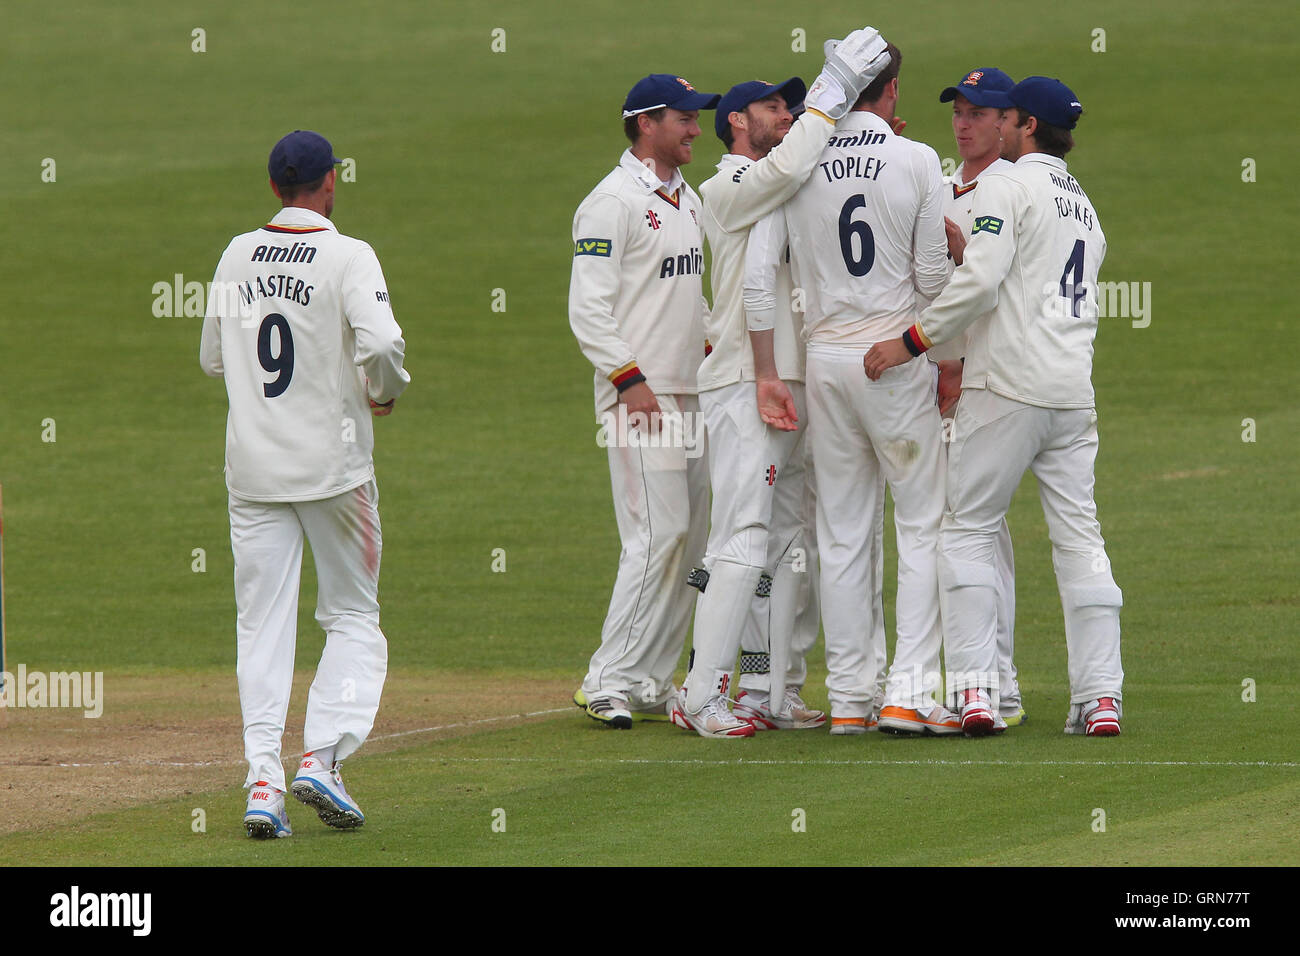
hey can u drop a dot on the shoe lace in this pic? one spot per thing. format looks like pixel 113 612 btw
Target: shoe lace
pixel 793 701
pixel 717 712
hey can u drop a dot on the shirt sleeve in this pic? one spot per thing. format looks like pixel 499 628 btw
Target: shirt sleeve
pixel 210 342
pixel 380 349
pixel 763 254
pixel 930 241
pixel 990 250
pixel 767 183
pixel 599 236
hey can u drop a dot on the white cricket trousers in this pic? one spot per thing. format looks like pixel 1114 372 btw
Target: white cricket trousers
pixel 266 538
pixel 757 477
pixel 808 613
pixel 995 439
pixel 808 608
pixel 1005 566
pixel 860 429
pixel 660 482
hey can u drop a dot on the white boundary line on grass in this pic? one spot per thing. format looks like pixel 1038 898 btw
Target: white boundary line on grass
pixel 744 761
pixel 472 723
pixel 235 763
pixel 672 761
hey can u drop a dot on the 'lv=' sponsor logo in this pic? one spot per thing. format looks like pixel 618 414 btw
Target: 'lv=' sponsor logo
pixel 592 247
pixel 987 224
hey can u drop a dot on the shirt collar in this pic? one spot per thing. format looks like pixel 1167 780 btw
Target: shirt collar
pixel 641 173
pixel 1056 161
pixel 956 177
pixel 863 119
pixel 299 216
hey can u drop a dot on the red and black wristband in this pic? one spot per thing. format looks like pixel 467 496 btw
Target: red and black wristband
pixel 914 341
pixel 627 376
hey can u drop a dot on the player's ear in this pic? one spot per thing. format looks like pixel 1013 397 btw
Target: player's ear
pixel 274 188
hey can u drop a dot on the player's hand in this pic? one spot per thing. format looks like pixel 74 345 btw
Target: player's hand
pixel 885 355
pixel 949 389
pixel 379 411
pixel 851 64
pixel 956 240
pixel 776 404
pixel 640 400
pixel 898 124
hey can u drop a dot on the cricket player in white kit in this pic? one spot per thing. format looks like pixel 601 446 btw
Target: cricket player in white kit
pixel 866 234
pixel 1032 261
pixel 978 101
pixel 751 390
pixel 299 325
pixel 636 306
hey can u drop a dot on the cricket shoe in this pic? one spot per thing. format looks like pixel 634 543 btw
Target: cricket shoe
pixel 846 726
pixel 1096 718
pixel 714 720
pixel 755 707
pixel 266 817
pixel 1014 715
pixel 939 721
pixel 610 711
pixel 977 717
pixel 322 789
pixel 653 708
pixel 653 713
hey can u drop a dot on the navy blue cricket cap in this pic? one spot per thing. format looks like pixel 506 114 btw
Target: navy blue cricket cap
pixel 1050 100
pixel 987 87
pixel 666 89
pixel 742 94
pixel 300 157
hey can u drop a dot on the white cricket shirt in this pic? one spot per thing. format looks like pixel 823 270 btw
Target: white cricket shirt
pixel 866 234
pixel 1032 260
pixel 743 192
pixel 298 319
pixel 959 206
pixel 636 301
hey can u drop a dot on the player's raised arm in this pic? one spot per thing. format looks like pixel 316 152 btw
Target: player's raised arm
pixel 380 349
pixel 851 65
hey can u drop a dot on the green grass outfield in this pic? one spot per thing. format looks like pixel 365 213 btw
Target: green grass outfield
pixel 566 791
pixel 469 165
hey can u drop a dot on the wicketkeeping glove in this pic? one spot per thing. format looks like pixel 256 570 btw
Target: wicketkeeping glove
pixel 851 64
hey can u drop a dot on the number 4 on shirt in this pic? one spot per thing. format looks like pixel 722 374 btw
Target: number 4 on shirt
pixel 1072 278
